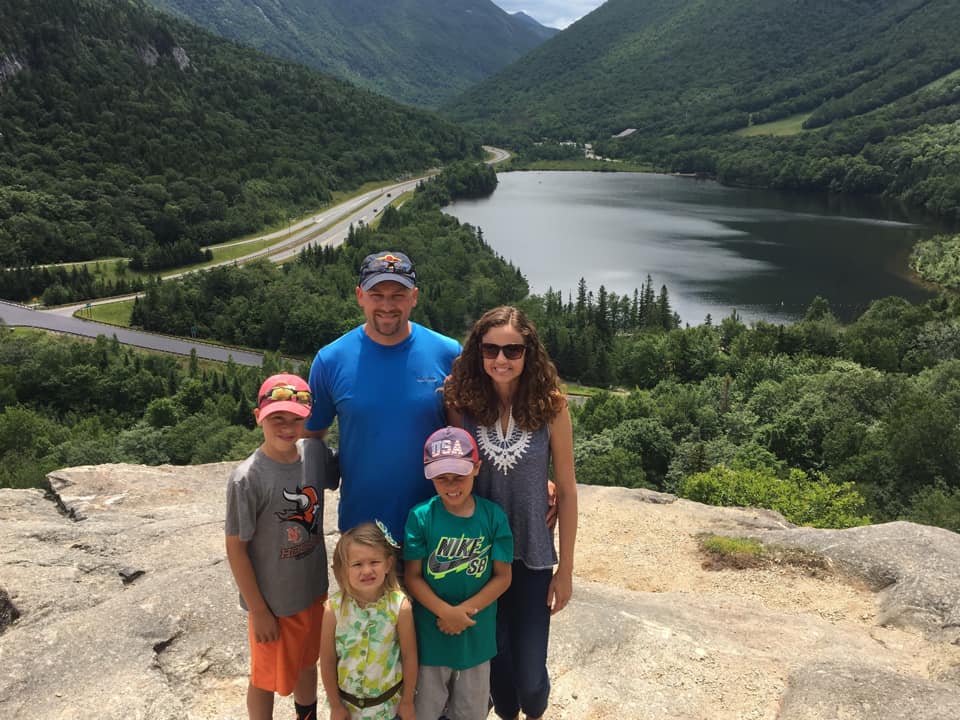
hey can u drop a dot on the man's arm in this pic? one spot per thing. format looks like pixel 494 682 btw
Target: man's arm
pixel 551 505
pixel 320 462
pixel 265 625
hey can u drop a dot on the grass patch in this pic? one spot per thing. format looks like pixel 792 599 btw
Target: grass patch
pixel 117 313
pixel 724 552
pixel 400 199
pixel 22 331
pixel 106 269
pixel 341 196
pixel 792 125
pixel 232 251
pixel 585 390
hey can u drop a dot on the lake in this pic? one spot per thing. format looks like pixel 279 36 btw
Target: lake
pixel 766 254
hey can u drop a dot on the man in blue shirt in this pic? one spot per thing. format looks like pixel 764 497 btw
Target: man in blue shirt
pixel 382 381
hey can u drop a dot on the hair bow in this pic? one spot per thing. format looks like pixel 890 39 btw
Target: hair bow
pixel 386 534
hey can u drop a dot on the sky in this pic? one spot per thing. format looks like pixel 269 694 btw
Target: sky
pixel 552 13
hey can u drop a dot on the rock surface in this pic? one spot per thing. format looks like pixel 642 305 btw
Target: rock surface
pixel 127 610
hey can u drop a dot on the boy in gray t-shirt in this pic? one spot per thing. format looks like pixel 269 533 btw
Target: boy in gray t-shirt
pixel 275 547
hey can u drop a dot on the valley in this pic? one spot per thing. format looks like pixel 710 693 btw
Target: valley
pixel 140 141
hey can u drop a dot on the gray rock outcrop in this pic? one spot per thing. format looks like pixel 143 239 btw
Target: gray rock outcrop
pixel 10 66
pixel 127 610
pixel 915 570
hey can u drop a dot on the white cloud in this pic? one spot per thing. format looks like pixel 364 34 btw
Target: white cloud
pixel 553 13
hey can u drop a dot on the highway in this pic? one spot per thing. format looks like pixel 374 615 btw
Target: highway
pixel 328 228
pixel 19 316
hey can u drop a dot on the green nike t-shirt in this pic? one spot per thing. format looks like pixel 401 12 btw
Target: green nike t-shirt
pixel 457 557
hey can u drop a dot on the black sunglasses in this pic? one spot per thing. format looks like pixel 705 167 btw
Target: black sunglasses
pixel 512 351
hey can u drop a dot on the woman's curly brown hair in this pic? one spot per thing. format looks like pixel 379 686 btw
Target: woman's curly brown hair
pixel 469 389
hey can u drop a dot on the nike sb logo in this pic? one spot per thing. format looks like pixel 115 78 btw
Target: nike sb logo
pixel 463 554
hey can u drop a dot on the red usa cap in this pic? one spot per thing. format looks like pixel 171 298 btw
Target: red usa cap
pixel 449 450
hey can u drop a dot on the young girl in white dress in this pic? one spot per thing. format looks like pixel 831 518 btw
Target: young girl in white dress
pixel 368 645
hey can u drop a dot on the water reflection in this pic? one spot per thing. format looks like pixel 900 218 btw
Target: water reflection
pixel 763 253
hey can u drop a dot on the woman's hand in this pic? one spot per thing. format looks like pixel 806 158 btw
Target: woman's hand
pixel 559 592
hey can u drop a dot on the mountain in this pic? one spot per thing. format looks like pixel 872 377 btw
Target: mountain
pixel 542 30
pixel 667 65
pixel 419 52
pixel 869 80
pixel 124 131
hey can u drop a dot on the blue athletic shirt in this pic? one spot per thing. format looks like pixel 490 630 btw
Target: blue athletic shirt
pixel 388 400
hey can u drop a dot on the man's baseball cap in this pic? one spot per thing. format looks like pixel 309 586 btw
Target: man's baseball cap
pixel 449 450
pixel 387 265
pixel 284 392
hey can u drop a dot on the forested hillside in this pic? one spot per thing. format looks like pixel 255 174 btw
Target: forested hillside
pixel 831 425
pixel 416 51
pixel 303 305
pixel 861 95
pixel 127 132
pixel 65 402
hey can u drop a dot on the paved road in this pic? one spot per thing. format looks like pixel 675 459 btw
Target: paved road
pixel 19 316
pixel 499 155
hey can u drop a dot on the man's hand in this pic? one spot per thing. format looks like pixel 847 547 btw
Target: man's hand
pixel 551 505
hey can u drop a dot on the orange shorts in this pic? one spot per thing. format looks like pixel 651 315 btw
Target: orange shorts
pixel 275 666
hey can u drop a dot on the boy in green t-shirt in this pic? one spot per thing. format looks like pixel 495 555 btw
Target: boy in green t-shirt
pixel 458 553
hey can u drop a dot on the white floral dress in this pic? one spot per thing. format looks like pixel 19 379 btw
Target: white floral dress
pixel 368 652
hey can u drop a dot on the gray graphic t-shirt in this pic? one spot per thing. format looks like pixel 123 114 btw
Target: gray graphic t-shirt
pixel 280 515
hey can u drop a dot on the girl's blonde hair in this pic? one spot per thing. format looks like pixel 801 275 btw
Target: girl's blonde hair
pixel 363 534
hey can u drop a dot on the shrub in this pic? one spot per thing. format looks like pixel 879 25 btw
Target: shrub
pixel 936 506
pixel 801 499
